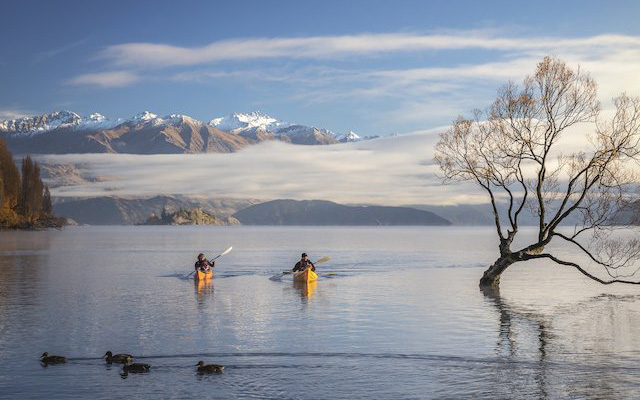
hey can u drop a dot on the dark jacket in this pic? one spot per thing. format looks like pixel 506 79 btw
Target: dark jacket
pixel 202 265
pixel 302 265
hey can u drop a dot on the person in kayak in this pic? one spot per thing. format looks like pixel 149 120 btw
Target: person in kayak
pixel 303 264
pixel 203 264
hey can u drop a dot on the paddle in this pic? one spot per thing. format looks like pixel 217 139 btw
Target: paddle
pixel 320 261
pixel 214 258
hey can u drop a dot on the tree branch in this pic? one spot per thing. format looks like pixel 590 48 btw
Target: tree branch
pixel 585 273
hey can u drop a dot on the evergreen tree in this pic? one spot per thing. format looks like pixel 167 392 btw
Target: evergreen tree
pixel 38 191
pixel 31 197
pixel 47 207
pixel 26 189
pixel 10 178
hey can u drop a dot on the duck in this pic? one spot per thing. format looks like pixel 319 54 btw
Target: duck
pixel 117 358
pixel 47 359
pixel 136 367
pixel 204 368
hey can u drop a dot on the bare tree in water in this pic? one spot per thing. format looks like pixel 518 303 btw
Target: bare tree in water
pixel 511 151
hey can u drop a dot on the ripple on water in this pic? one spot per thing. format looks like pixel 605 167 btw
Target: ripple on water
pixel 401 318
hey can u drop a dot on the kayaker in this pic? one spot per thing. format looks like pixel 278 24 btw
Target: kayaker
pixel 303 264
pixel 203 264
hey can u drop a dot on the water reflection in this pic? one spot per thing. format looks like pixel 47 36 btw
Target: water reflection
pixel 510 330
pixel 305 289
pixel 203 290
pixel 22 257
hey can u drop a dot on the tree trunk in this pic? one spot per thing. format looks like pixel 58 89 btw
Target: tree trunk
pixel 491 276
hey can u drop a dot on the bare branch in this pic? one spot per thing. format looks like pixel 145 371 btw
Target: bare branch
pixel 511 150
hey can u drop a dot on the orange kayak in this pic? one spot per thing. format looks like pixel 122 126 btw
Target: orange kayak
pixel 203 276
pixel 305 276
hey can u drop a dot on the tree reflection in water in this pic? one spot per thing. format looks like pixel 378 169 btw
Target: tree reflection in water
pixel 507 344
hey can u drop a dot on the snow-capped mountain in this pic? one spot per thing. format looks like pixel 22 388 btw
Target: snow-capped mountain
pixel 41 123
pixel 147 133
pixel 258 124
pixel 348 137
pixel 145 116
pixel 28 126
pixel 238 122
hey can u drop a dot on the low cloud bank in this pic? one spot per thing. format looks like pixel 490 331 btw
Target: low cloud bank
pixel 393 170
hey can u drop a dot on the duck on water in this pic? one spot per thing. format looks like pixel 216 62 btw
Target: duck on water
pixel 209 368
pixel 117 358
pixel 47 359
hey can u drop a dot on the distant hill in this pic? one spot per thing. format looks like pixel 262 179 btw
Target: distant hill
pixel 482 214
pixel 120 211
pixel 193 216
pixel 466 214
pixel 319 212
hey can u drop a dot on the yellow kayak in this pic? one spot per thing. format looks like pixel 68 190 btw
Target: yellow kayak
pixel 305 276
pixel 305 289
pixel 203 276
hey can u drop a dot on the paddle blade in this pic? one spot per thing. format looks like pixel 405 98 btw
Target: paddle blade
pixel 226 251
pixel 223 253
pixel 322 260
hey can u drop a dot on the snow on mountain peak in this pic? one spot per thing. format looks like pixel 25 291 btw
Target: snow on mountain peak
pixel 244 121
pixel 180 118
pixel 97 117
pixel 348 137
pixel 41 123
pixel 144 116
pixel 246 124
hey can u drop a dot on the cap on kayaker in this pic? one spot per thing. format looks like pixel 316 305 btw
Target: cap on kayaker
pixel 304 254
pixel 200 255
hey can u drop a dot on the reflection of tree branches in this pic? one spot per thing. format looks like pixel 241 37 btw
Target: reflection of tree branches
pixel 507 337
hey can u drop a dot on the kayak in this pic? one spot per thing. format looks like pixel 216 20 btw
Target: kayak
pixel 203 276
pixel 306 289
pixel 305 276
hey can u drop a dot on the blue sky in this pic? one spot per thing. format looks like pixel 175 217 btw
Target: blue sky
pixel 375 67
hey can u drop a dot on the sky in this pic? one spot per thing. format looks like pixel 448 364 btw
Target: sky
pixel 374 67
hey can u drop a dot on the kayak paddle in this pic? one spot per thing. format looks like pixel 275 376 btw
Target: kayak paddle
pixel 214 258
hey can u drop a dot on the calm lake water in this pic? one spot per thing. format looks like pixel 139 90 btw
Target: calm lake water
pixel 396 314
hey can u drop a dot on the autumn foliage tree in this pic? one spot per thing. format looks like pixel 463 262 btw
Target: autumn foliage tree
pixel 511 151
pixel 24 200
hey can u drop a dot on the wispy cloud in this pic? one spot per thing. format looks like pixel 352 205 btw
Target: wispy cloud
pixel 39 57
pixel 329 70
pixel 322 47
pixel 106 79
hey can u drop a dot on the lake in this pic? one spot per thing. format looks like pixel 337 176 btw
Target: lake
pixel 395 314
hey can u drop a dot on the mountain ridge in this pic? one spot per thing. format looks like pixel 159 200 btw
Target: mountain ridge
pixel 63 132
pixel 323 212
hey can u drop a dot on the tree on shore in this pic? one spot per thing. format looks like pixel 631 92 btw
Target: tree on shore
pixel 10 187
pixel 47 206
pixel 512 152
pixel 32 190
pixel 24 200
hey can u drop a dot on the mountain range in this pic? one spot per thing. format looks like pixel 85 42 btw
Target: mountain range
pixel 122 211
pixel 63 132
